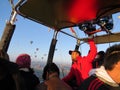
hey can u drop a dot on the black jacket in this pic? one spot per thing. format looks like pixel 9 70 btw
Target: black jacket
pixel 93 83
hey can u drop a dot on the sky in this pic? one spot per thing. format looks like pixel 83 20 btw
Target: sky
pixel 41 36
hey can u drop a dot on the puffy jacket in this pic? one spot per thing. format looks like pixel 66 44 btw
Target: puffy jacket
pixel 80 69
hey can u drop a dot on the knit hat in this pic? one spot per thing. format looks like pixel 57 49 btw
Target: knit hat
pixel 24 61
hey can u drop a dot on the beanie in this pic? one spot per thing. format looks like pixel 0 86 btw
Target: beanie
pixel 24 61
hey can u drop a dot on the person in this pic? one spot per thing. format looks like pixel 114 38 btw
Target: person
pixel 106 77
pixel 99 59
pixel 10 78
pixel 30 79
pixel 81 65
pixel 51 77
pixel 6 79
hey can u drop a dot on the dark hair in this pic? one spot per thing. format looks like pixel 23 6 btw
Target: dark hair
pixel 101 53
pixel 98 61
pixel 112 56
pixel 50 68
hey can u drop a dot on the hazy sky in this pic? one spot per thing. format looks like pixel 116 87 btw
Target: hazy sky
pixel 27 31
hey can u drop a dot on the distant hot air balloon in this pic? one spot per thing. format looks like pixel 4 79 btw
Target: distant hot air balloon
pixel 37 49
pixel 31 42
pixel 35 56
pixel 45 54
pixel 42 58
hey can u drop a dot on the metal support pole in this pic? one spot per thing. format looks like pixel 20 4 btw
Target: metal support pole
pixel 8 32
pixel 6 37
pixel 77 45
pixel 52 48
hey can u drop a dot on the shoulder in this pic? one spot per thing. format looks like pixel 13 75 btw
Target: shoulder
pixel 41 86
pixel 93 83
pixel 29 77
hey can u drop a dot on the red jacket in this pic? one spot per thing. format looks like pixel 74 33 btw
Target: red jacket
pixel 82 66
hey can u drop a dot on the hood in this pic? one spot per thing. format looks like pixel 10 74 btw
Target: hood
pixel 103 75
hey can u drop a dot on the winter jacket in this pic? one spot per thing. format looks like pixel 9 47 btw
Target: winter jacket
pixel 99 80
pixel 82 66
pixel 30 79
pixel 54 83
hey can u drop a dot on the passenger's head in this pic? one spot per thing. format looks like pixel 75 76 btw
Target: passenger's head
pixel 24 61
pixel 49 69
pixel 112 57
pixel 99 59
pixel 100 54
pixel 74 54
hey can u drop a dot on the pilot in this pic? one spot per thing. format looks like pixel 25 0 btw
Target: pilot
pixel 81 65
